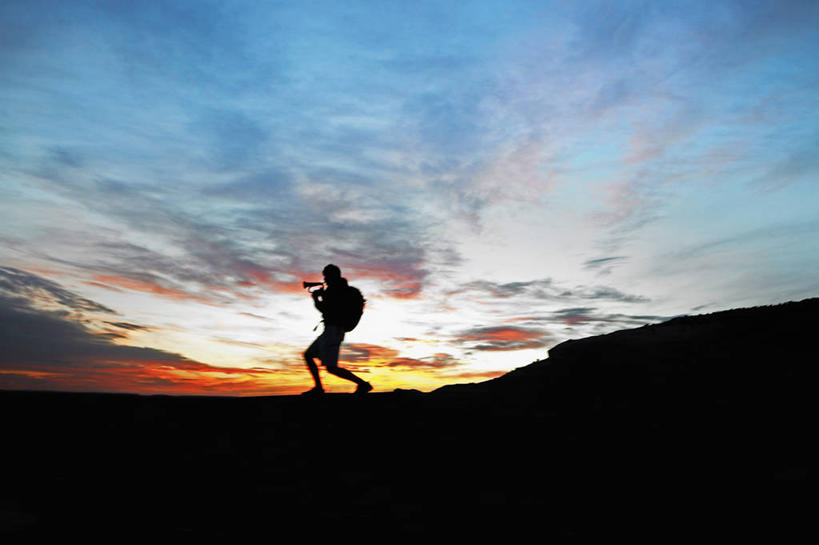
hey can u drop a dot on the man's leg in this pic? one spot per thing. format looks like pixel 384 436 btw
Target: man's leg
pixel 345 374
pixel 331 346
pixel 309 358
pixel 363 385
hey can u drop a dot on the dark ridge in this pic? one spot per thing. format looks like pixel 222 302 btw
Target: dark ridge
pixel 699 426
pixel 736 345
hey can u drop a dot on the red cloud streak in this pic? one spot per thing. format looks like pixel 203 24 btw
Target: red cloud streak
pixel 140 285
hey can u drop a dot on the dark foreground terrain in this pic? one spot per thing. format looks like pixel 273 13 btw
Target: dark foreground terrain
pixel 698 427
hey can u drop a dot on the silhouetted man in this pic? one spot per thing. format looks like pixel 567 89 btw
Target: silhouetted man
pixel 326 347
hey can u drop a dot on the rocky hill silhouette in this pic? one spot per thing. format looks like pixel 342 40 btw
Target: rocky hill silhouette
pixel 699 426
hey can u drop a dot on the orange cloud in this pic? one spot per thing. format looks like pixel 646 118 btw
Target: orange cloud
pixel 399 284
pixel 502 334
pixel 477 375
pixel 107 281
pixel 53 351
pixel 182 377
pixel 380 356
pixel 280 281
pixel 504 338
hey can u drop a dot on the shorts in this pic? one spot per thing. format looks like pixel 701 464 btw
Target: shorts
pixel 327 345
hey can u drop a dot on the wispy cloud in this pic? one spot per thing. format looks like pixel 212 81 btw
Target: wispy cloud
pixel 128 326
pixel 794 167
pixel 547 290
pixel 246 240
pixel 48 348
pixel 371 355
pixel 26 288
pixel 502 338
pixel 582 160
pixel 604 265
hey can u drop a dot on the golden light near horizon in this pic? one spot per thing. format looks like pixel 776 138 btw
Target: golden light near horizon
pixel 496 177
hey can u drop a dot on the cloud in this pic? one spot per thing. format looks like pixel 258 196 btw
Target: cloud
pixel 769 236
pixel 587 321
pixel 233 137
pixel 53 349
pixel 547 290
pixel 502 338
pixel 380 356
pixel 582 315
pixel 36 339
pixel 154 286
pixel 605 293
pixel 503 289
pixel 228 193
pixel 217 153
pixel 318 175
pixel 796 166
pixel 128 326
pixel 16 284
pixel 574 316
pixel 481 375
pixel 603 262
pixel 259 231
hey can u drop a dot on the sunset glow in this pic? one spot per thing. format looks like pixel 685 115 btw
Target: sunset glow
pixel 496 178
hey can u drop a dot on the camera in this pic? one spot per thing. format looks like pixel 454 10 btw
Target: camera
pixel 311 285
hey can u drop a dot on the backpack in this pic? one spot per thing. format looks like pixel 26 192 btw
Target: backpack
pixel 353 308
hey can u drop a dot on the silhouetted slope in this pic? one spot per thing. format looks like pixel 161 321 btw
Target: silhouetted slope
pixel 718 352
pixel 711 414
pixel 696 427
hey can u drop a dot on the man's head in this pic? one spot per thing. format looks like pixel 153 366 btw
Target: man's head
pixel 331 274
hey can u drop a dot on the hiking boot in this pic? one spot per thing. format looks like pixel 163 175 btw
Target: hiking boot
pixel 363 388
pixel 316 391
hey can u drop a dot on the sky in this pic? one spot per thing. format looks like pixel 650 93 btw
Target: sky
pixel 495 177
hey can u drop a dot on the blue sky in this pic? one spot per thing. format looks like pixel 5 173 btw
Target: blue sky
pixel 496 177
